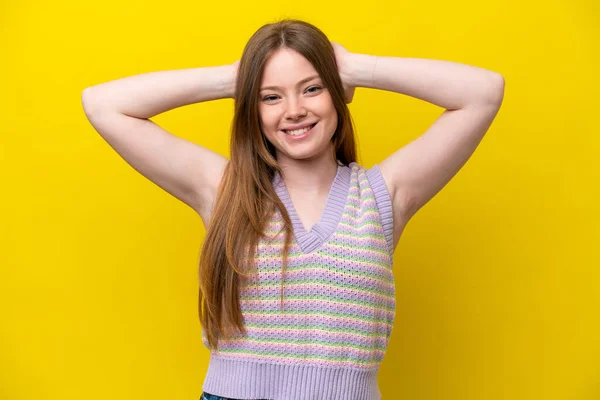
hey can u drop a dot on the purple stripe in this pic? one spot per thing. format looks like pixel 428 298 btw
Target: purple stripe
pixel 384 203
pixel 345 294
pixel 334 206
pixel 300 333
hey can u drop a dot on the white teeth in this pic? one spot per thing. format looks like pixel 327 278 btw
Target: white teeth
pixel 299 131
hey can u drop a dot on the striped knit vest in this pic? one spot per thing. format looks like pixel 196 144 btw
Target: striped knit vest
pixel 328 341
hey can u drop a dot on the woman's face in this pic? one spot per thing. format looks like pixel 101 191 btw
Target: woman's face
pixel 292 100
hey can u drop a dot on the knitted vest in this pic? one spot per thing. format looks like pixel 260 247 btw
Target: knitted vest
pixel 330 338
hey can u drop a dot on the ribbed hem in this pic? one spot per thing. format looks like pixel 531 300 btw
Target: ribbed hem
pixel 255 380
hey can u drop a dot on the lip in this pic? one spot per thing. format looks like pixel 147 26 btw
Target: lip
pixel 301 136
pixel 292 128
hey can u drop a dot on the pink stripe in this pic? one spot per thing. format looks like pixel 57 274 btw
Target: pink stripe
pixel 323 304
pixel 315 349
pixel 303 333
pixel 324 273
pixel 276 246
pixel 300 289
pixel 363 265
pixel 299 360
pixel 299 320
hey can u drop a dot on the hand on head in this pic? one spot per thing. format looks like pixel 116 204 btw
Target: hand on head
pixel 342 58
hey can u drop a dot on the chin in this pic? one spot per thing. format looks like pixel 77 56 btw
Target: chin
pixel 307 154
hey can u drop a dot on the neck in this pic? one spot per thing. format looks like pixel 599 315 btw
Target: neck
pixel 308 177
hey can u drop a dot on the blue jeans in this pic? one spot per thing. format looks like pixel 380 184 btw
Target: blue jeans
pixel 208 396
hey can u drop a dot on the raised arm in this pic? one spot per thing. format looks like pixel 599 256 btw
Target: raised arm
pixel 120 110
pixel 471 97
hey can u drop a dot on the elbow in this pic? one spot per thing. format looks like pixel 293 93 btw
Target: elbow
pixel 90 101
pixel 495 90
pixel 86 99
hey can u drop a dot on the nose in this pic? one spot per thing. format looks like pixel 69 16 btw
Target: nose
pixel 295 109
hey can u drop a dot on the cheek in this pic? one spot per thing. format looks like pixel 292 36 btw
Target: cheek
pixel 328 111
pixel 326 107
pixel 269 118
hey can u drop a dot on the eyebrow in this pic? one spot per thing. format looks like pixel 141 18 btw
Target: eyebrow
pixel 303 81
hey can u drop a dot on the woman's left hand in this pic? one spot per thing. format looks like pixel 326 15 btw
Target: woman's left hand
pixel 342 57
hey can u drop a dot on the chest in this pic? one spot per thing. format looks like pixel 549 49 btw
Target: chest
pixel 348 268
pixel 309 209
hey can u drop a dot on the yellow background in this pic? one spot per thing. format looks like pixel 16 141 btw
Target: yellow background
pixel 498 277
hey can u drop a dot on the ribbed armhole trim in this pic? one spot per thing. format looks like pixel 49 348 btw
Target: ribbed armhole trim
pixel 384 204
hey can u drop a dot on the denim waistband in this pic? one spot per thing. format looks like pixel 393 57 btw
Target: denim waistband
pixel 208 396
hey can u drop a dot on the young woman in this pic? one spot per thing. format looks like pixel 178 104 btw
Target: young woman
pixel 296 287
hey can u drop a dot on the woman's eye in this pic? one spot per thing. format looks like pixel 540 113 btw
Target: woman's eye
pixel 312 89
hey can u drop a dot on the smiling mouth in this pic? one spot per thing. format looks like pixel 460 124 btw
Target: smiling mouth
pixel 298 132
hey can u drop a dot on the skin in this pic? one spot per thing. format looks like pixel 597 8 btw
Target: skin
pixel 293 95
pixel 308 163
pixel 471 97
pixel 413 174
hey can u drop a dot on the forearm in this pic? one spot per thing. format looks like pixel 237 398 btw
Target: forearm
pixel 146 95
pixel 444 83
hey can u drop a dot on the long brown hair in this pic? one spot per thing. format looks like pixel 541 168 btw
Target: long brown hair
pixel 246 197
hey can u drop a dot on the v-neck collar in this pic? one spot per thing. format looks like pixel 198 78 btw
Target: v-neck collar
pixel 330 217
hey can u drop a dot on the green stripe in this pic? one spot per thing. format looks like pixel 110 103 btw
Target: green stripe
pixel 317 327
pixel 366 223
pixel 321 281
pixel 279 256
pixel 366 196
pixel 313 297
pixel 362 209
pixel 368 235
pixel 327 313
pixel 369 248
pixel 310 266
pixel 358 204
pixel 329 344
pixel 300 357
pixel 280 242
pixel 341 257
